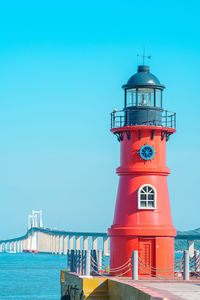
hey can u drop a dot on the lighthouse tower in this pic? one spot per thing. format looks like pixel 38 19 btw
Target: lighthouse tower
pixel 142 218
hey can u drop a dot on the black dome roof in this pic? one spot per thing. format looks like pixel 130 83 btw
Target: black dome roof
pixel 143 78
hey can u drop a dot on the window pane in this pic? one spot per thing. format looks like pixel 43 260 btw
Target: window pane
pixel 151 192
pixel 150 203
pixel 143 204
pixel 131 97
pixel 146 97
pixel 144 189
pixel 143 197
pixel 151 197
pixel 158 97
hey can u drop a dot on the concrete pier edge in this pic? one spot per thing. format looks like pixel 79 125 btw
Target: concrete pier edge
pixel 109 288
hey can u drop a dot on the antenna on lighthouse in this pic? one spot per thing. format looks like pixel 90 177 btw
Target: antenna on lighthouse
pixel 144 56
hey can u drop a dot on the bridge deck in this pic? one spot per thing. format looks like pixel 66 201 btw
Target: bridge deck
pixel 181 236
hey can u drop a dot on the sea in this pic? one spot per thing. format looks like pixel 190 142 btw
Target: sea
pixel 25 276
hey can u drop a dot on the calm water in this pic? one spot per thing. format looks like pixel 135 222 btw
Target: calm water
pixel 30 276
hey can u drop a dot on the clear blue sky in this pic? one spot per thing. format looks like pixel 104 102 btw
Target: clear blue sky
pixel 62 64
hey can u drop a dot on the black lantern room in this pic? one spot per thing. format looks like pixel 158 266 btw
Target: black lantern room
pixel 143 99
pixel 143 103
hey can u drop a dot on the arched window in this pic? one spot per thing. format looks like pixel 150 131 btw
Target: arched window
pixel 147 197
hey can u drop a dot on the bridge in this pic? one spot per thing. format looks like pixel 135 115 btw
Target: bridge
pixel 46 240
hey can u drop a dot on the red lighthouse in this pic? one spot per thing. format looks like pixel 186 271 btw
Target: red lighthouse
pixel 142 218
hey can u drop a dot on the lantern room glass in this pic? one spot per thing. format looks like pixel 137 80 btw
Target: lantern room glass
pixel 131 97
pixel 158 97
pixel 150 97
pixel 145 97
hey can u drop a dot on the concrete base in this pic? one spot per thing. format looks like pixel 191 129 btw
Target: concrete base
pixel 113 288
pixel 83 287
pixel 103 288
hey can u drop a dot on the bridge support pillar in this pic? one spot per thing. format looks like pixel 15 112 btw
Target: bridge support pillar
pixel 78 243
pixel 85 243
pixel 60 239
pixel 94 242
pixel 105 245
pixel 71 242
pixel 26 244
pixel 29 242
pixel 191 247
pixel 57 244
pixel 14 247
pixel 18 244
pixel 34 239
pixel 51 244
pixel 21 246
pixel 65 244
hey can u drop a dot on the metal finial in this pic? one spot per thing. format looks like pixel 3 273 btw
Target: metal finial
pixel 144 56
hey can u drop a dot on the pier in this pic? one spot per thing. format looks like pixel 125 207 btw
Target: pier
pixel 88 277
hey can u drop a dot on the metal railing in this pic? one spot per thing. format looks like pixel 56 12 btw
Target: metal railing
pixel 126 118
pixel 94 262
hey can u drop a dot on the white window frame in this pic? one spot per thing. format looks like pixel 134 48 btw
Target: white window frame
pixel 139 194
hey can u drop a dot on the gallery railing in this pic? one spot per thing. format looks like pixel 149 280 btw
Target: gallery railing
pixel 143 117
